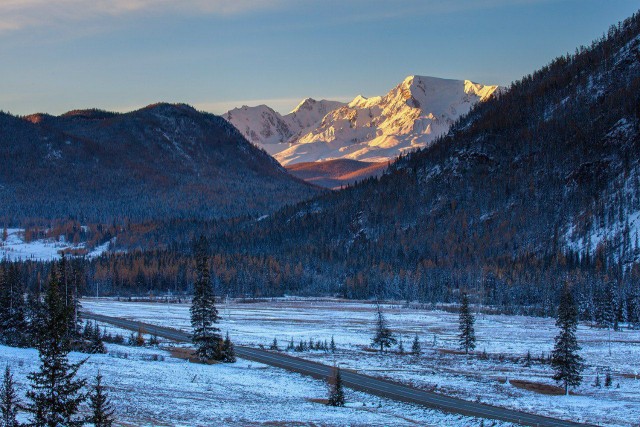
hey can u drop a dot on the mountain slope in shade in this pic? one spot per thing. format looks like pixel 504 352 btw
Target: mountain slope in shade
pixel 410 116
pixel 163 161
pixel 270 130
pixel 336 173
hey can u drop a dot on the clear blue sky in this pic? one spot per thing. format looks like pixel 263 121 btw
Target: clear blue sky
pixel 57 55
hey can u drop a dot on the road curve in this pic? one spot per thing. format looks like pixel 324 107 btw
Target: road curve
pixel 375 386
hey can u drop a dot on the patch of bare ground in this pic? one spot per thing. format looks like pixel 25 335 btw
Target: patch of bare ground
pixel 450 351
pixel 630 376
pixel 538 387
pixel 187 354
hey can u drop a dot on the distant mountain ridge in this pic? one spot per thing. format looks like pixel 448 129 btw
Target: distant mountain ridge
pixel 162 161
pixel 270 130
pixel 377 129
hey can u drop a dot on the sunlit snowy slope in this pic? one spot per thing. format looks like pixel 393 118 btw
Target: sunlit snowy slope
pixel 411 115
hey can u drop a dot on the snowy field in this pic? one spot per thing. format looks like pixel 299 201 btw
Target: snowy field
pixel 15 248
pixel 505 340
pixel 174 392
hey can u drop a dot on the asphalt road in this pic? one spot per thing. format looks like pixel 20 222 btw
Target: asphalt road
pixel 354 380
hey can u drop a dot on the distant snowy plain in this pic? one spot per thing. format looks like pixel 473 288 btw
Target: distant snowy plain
pixel 15 248
pixel 505 340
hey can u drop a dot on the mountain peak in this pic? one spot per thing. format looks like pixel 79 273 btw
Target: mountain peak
pixel 483 91
pixel 168 108
pixel 411 115
pixel 271 130
pixel 90 113
pixel 305 104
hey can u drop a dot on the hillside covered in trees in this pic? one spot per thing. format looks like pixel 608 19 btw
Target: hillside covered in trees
pixel 163 161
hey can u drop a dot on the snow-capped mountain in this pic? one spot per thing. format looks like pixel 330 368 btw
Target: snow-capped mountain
pixel 270 130
pixel 410 116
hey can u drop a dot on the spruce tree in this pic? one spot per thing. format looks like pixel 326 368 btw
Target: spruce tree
pixel 565 360
pixel 274 345
pixel 332 345
pixel 467 337
pixel 336 389
pixel 101 410
pixel 9 403
pixel 97 346
pixel 415 347
pixel 383 337
pixel 14 330
pixel 228 350
pixel 204 314
pixel 70 299
pixel 55 392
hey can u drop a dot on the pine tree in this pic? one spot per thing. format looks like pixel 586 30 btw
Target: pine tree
pixel 332 346
pixel 55 392
pixel 228 350
pixel 467 337
pixel 336 389
pixel 383 337
pixel 274 345
pixel 14 330
pixel 75 288
pixel 565 360
pixel 70 299
pixel 204 314
pixel 608 380
pixel 101 410
pixel 87 331
pixel 401 347
pixel 9 403
pixel 35 308
pixel 97 346
pixel 153 340
pixel 415 347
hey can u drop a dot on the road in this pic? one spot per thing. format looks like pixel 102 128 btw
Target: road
pixel 371 385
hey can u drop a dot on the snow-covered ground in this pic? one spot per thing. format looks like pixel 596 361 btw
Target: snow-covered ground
pixel 505 339
pixel 148 387
pixel 15 248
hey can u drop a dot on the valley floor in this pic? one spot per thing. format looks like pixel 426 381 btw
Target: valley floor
pixel 149 387
pixel 503 343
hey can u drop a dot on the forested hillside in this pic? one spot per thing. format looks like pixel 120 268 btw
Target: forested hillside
pixel 163 161
pixel 501 200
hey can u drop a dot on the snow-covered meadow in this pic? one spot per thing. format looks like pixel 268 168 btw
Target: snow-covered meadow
pixel 15 247
pixel 149 387
pixel 503 343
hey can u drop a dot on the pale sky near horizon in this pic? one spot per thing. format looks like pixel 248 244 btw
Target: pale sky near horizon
pixel 58 55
